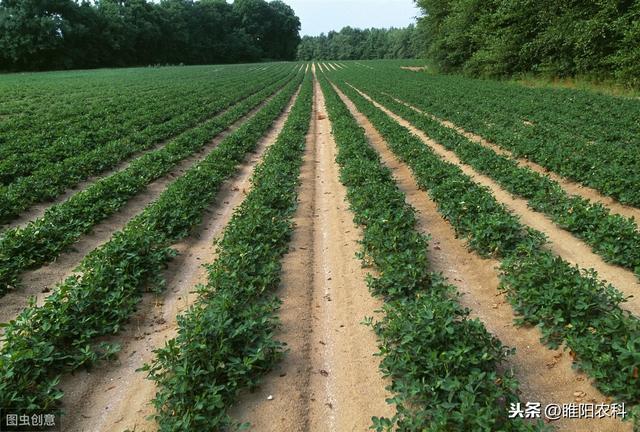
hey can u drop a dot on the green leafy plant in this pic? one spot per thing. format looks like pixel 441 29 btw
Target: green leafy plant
pixel 446 370
pixel 226 340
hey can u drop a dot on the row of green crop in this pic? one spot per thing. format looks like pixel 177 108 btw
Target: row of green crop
pixel 56 132
pixel 42 240
pixel 444 367
pixel 568 305
pixel 583 136
pixel 614 237
pixel 37 143
pixel 50 180
pixel 226 340
pixel 64 334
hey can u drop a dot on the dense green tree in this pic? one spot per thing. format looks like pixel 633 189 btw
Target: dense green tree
pixel 53 34
pixel 597 38
pixel 273 27
pixel 356 44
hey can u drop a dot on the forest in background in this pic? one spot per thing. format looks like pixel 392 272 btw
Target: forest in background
pixel 596 39
pixel 593 39
pixel 65 34
pixel 368 44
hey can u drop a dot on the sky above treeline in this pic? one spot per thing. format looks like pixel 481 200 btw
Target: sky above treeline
pixel 322 16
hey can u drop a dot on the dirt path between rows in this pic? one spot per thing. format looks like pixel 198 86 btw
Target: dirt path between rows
pixel 546 375
pixel 40 282
pixel 561 242
pixel 569 186
pixel 414 68
pixel 116 397
pixel 330 380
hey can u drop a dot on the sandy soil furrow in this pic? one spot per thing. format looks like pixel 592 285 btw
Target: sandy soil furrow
pixel 40 281
pixel 330 380
pixel 116 397
pixel 561 242
pixel 545 375
pixel 289 382
pixel 569 186
pixel 414 68
pixel 37 210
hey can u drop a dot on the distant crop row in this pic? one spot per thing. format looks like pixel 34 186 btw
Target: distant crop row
pixel 50 179
pixel 569 306
pixel 614 237
pixel 64 334
pixel 590 138
pixel 55 118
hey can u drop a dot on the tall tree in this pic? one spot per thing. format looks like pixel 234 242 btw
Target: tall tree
pixel 356 44
pixel 52 34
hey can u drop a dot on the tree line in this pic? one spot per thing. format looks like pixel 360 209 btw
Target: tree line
pixel 593 38
pixel 356 44
pixel 66 34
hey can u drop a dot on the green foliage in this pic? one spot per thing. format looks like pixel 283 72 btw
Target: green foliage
pixel 574 307
pixel 503 37
pixel 226 341
pixel 586 137
pixel 45 238
pixel 615 238
pixel 355 44
pixel 568 306
pixel 41 162
pixel 446 369
pixel 63 334
pixel 65 34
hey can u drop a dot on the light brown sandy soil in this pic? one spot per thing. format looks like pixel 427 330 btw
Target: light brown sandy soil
pixel 569 186
pixel 330 380
pixel 561 242
pixel 545 375
pixel 37 210
pixel 41 281
pixel 364 65
pixel 116 397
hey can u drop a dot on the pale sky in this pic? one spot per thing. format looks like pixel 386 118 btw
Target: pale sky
pixel 321 16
